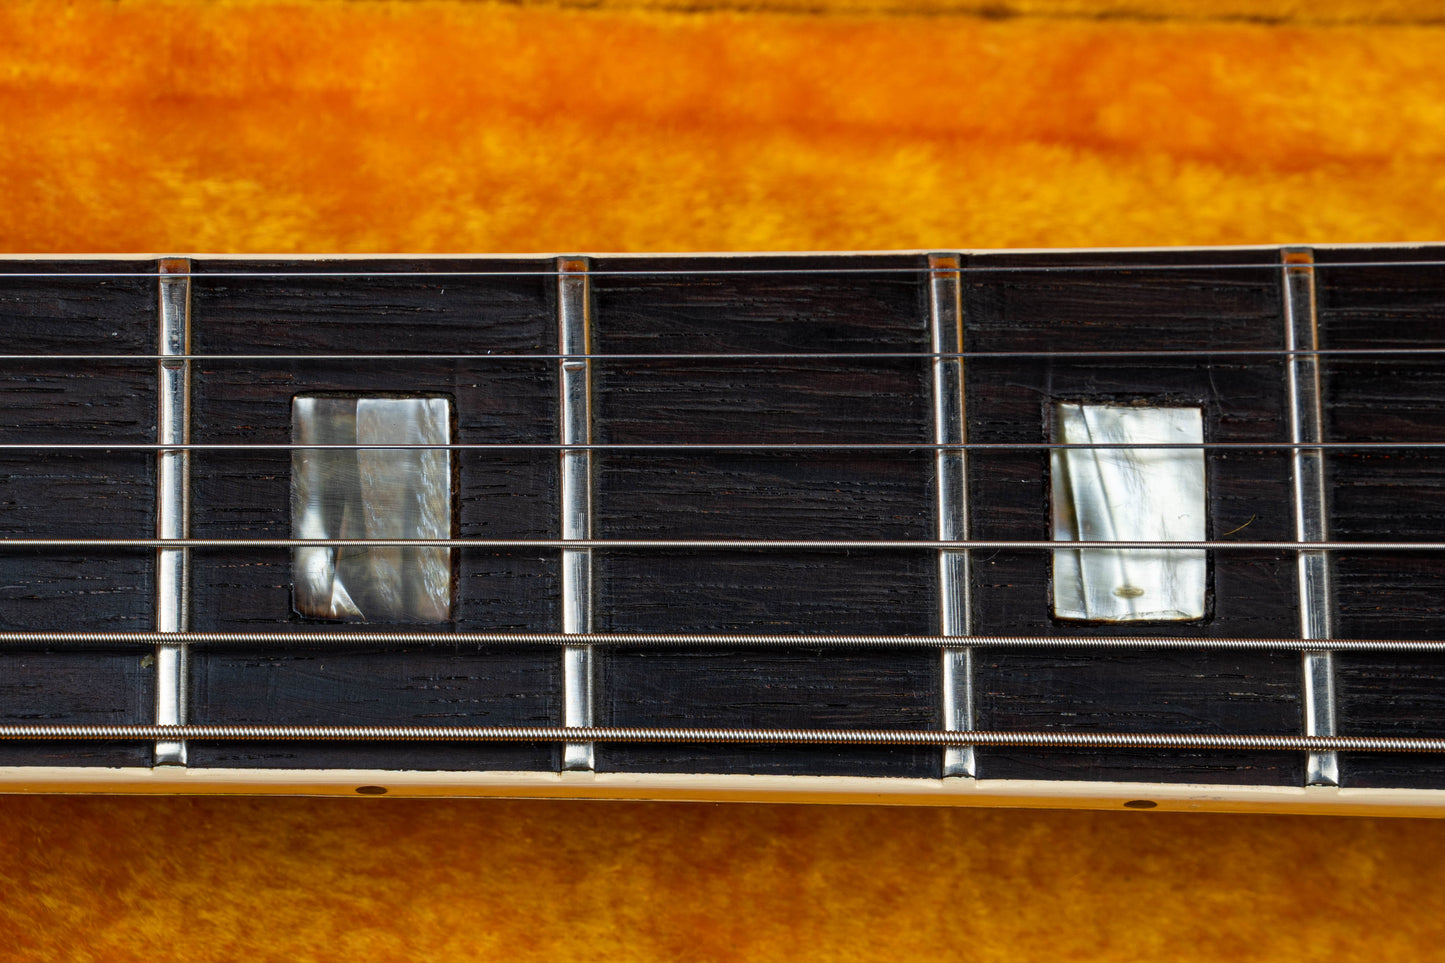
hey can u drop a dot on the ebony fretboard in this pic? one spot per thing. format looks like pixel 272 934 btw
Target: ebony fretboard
pixel 727 362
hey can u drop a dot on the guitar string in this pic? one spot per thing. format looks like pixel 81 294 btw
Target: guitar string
pixel 1255 446
pixel 1092 355
pixel 665 640
pixel 721 544
pixel 749 736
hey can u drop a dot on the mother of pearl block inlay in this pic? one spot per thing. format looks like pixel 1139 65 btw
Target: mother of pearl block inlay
pixel 372 493
pixel 1128 494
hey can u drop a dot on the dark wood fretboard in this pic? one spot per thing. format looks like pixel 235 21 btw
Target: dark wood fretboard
pixel 799 400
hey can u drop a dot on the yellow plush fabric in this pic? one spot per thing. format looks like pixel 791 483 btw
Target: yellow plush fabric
pixel 395 126
pixel 472 127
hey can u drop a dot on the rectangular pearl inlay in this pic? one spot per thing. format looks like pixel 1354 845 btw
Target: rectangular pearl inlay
pixel 372 493
pixel 1128 494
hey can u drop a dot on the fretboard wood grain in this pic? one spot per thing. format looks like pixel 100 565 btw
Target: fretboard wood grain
pixel 1022 314
pixel 93 494
pixel 1378 399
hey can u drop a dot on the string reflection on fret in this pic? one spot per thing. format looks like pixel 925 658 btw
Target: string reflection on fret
pixel 372 493
pixel 1128 494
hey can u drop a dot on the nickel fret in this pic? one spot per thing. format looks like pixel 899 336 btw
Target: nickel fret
pixel 1307 427
pixel 173 508
pixel 951 467
pixel 575 378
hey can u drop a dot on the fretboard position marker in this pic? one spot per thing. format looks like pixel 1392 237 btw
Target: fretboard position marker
pixel 574 315
pixel 1308 470
pixel 173 498
pixel 945 299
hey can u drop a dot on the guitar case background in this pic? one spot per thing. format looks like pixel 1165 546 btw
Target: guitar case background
pixel 674 125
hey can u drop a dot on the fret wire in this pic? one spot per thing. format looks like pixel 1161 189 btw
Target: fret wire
pixel 1090 354
pixel 703 639
pixel 867 737
pixel 719 544
pixel 1306 424
pixel 950 466
pixel 574 324
pixel 971 269
pixel 172 566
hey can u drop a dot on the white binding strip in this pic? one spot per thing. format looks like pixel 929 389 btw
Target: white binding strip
pixel 575 379
pixel 858 790
pixel 1316 599
pixel 173 504
pixel 945 301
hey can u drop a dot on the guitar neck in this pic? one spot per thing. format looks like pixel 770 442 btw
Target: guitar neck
pixel 731 527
